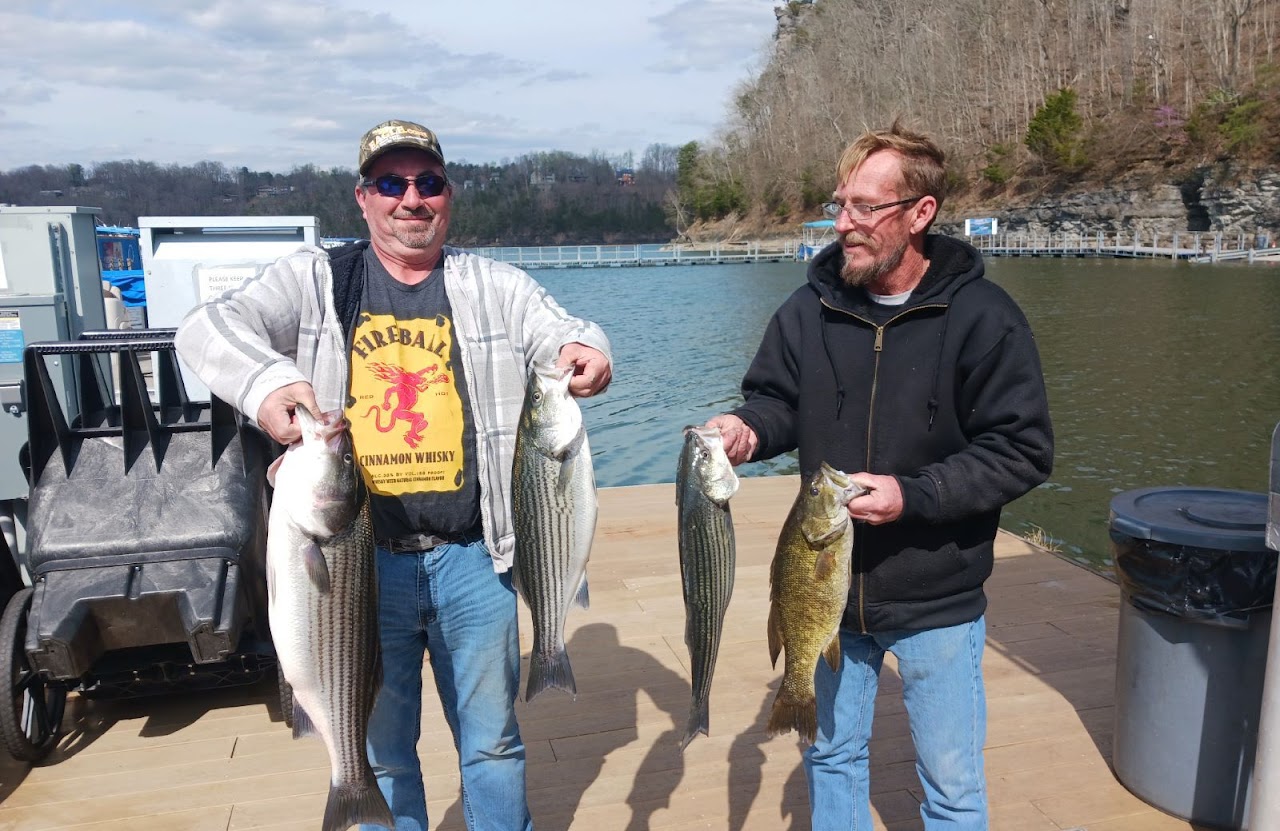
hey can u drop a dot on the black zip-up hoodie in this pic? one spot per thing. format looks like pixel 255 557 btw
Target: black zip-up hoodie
pixel 945 393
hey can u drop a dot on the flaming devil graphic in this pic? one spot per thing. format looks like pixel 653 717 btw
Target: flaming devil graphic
pixel 405 386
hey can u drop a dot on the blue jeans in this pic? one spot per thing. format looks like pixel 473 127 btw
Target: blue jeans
pixel 942 688
pixel 450 603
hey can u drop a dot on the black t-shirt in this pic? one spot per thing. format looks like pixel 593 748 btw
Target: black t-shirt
pixel 409 409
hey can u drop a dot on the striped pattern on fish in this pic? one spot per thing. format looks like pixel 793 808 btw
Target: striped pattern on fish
pixel 554 501
pixel 705 482
pixel 323 610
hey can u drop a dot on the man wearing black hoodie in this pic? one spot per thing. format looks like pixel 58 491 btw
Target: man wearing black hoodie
pixel 899 361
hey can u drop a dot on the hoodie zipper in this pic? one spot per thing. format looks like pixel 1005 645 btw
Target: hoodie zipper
pixel 877 348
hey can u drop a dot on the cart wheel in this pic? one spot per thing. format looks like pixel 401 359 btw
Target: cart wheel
pixel 30 708
pixel 286 697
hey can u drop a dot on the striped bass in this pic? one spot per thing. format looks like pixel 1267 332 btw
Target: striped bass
pixel 808 590
pixel 705 482
pixel 554 505
pixel 323 608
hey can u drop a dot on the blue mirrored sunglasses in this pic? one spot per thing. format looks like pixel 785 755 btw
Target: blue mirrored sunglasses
pixel 394 185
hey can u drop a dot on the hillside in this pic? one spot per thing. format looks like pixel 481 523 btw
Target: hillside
pixel 1031 101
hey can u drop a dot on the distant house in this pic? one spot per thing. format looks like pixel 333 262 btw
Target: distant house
pixel 51 194
pixel 625 176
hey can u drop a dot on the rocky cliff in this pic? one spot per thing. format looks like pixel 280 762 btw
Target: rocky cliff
pixel 1208 200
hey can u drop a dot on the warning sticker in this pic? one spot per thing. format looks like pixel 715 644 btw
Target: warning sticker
pixel 11 340
pixel 214 280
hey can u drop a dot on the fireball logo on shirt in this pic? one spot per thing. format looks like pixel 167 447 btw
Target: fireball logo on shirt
pixel 404 387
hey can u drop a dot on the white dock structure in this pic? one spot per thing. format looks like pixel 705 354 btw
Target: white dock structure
pixel 607 256
pixel 1201 247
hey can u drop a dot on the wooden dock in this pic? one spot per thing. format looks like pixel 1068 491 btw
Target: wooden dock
pixel 609 759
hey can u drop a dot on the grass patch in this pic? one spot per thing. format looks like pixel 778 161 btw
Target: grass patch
pixel 1041 538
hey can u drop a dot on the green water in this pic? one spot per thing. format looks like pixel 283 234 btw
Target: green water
pixel 1159 374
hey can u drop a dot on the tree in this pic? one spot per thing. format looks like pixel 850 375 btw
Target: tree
pixel 1054 133
pixel 660 160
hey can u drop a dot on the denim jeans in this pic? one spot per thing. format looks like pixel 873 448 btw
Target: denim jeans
pixel 449 603
pixel 946 705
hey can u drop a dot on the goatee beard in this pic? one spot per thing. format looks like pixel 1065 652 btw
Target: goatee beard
pixel 862 275
pixel 421 238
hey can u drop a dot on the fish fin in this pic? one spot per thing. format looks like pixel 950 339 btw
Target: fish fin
pixel 832 652
pixel 356 803
pixel 564 480
pixel 317 568
pixel 775 637
pixel 272 468
pixel 302 723
pixel 581 597
pixel 823 566
pixel 789 715
pixel 547 671
pixel 699 722
pixel 517 583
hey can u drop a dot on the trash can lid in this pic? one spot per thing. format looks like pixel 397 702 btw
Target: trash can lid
pixel 1219 518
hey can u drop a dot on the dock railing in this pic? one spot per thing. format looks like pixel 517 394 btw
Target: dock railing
pixel 1205 247
pixel 597 256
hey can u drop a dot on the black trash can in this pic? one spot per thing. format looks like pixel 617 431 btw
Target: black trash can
pixel 1197 583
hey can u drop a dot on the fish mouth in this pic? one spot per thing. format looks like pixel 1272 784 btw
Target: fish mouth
pixel 837 477
pixel 331 501
pixel 553 374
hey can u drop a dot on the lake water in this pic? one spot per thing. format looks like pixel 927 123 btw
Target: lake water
pixel 1159 374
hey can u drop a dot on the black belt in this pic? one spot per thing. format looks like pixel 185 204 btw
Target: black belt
pixel 425 542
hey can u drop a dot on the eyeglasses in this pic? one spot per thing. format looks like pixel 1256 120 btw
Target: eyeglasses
pixel 396 186
pixel 833 209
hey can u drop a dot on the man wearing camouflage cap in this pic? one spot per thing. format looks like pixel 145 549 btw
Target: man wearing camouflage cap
pixel 427 349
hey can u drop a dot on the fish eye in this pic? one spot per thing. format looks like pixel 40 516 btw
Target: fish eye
pixel 814 489
pixel 346 458
pixel 537 397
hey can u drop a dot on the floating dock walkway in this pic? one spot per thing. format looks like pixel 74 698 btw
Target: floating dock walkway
pixel 616 256
pixel 1204 248
pixel 1194 247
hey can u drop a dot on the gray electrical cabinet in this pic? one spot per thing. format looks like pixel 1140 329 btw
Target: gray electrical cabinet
pixel 187 260
pixel 50 289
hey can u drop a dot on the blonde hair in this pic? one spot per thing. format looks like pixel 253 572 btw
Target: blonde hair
pixel 923 168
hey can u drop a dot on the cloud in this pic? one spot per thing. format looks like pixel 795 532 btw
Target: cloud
pixel 269 84
pixel 27 92
pixel 555 76
pixel 281 59
pixel 704 35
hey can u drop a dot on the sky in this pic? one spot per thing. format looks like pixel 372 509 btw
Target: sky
pixel 275 84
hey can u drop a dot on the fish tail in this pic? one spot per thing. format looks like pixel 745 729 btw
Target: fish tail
pixel 801 716
pixel 354 803
pixel 550 671
pixel 699 722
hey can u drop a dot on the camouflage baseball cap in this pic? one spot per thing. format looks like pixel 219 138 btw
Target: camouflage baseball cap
pixel 390 135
